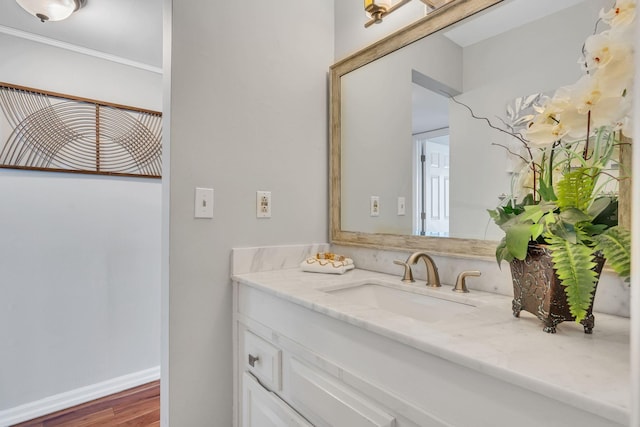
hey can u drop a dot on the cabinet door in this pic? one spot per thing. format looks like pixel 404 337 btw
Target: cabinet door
pixel 262 408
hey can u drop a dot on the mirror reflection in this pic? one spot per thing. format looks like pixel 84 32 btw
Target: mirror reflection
pixel 414 162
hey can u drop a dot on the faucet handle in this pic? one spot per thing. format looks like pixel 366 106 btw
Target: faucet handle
pixel 408 274
pixel 461 284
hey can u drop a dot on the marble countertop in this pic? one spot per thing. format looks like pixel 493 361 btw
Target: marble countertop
pixel 590 372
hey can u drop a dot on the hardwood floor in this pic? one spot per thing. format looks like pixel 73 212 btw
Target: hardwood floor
pixel 139 407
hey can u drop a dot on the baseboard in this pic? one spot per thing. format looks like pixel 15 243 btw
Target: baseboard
pixel 65 400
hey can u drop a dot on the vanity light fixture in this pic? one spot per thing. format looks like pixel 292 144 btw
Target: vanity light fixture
pixel 51 10
pixel 378 9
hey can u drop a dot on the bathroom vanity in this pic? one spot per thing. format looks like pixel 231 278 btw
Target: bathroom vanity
pixel 364 349
pixel 359 350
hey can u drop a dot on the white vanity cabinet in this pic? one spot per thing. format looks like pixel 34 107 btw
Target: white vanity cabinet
pixel 279 383
pixel 278 388
pixel 297 366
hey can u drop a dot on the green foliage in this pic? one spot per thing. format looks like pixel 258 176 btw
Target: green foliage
pixel 503 253
pixel 517 239
pixel 604 211
pixel 574 216
pixel 576 226
pixel 570 215
pixel 504 213
pixel 575 189
pixel 521 224
pixel 546 190
pixel 615 244
pixel 574 265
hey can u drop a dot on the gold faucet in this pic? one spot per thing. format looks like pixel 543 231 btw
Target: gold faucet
pixel 433 278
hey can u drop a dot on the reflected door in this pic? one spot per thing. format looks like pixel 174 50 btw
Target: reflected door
pixel 433 186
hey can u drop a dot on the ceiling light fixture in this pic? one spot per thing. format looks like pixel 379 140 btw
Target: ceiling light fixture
pixel 378 9
pixel 51 10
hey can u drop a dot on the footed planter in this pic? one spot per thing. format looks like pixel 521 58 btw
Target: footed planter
pixel 537 289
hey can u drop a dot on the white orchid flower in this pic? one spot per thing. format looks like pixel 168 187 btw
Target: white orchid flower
pixel 616 78
pixel 544 132
pixel 546 127
pixel 621 14
pixel 567 114
pixel 568 111
pixel 606 48
pixel 589 97
pixel 585 94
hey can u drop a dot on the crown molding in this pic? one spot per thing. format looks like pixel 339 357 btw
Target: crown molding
pixel 78 49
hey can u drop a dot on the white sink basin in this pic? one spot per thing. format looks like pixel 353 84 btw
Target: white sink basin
pixel 404 302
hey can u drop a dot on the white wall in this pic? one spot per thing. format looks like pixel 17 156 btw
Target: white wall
pixel 79 254
pixel 248 112
pixel 41 66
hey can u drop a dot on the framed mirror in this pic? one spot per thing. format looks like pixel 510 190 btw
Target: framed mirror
pixel 410 167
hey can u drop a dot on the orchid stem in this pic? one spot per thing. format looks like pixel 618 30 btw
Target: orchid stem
pixel 585 153
pixel 553 150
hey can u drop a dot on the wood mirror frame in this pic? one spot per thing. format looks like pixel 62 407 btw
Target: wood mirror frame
pixel 468 248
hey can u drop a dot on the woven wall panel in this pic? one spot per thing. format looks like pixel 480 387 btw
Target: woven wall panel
pixel 53 132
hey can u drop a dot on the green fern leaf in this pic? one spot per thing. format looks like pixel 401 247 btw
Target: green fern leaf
pixel 575 189
pixel 573 264
pixel 615 244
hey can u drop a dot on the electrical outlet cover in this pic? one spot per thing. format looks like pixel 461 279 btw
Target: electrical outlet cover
pixel 263 204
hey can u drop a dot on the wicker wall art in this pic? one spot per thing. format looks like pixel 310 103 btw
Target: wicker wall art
pixel 53 132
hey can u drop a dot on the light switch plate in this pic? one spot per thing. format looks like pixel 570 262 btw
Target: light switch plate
pixel 402 208
pixel 203 206
pixel 374 206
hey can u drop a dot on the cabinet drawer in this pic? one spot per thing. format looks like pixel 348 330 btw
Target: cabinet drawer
pixel 263 360
pixel 327 402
